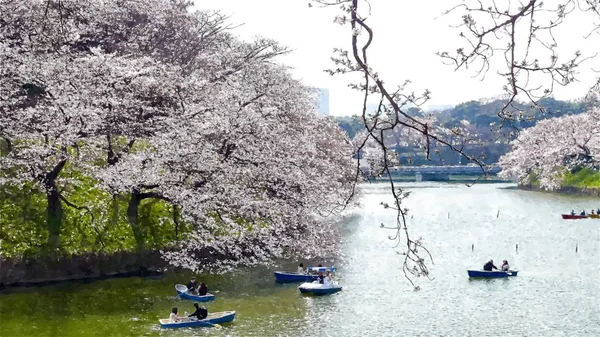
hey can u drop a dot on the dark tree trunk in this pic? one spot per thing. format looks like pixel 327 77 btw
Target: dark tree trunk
pixel 133 216
pixel 134 221
pixel 54 210
pixel 55 216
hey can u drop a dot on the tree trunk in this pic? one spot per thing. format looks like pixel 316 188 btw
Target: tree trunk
pixel 114 207
pixel 54 213
pixel 54 210
pixel 134 221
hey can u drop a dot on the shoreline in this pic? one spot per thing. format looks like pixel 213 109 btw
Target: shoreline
pixel 43 271
pixel 566 190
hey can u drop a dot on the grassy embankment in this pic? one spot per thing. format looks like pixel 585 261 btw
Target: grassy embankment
pixel 584 181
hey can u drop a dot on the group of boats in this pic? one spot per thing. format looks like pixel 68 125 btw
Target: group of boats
pixel 212 319
pixel 310 286
pixel 582 215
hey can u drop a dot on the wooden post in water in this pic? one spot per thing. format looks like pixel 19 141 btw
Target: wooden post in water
pixel 498 214
pixel 517 248
pixel 472 246
pixel 448 215
pixel 576 248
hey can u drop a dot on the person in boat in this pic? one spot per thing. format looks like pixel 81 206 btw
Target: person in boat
pixel 572 212
pixel 301 269
pixel 320 277
pixel 582 213
pixel 193 286
pixel 202 290
pixel 173 317
pixel 489 266
pixel 328 279
pixel 200 313
pixel 592 212
pixel 505 266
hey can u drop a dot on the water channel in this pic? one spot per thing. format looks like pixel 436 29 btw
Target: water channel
pixel 557 292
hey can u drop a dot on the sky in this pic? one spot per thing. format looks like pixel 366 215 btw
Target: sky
pixel 407 36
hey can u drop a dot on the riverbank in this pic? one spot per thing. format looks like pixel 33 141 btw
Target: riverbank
pixel 585 182
pixel 568 190
pixel 45 270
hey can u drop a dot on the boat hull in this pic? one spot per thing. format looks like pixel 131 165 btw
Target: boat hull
pixel 491 274
pixel 594 216
pixel 213 318
pixel 183 293
pixel 573 217
pixel 318 289
pixel 283 277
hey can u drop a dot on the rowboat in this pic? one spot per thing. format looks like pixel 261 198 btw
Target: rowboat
pixel 318 289
pixel 183 292
pixel 491 274
pixel 573 217
pixel 284 277
pixel 209 321
pixel 594 216
pixel 289 277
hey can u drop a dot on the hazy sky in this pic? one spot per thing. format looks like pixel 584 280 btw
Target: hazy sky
pixel 407 36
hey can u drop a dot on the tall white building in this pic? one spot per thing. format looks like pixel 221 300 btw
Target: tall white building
pixel 323 101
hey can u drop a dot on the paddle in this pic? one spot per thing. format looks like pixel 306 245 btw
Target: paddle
pixel 216 326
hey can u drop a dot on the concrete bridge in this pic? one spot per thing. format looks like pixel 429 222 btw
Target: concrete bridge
pixel 441 173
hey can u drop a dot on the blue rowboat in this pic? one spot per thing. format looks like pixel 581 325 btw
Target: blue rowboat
pixel 289 277
pixel 491 274
pixel 183 292
pixel 318 289
pixel 209 321
pixel 283 277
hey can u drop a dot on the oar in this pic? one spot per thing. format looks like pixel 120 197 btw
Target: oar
pixel 214 325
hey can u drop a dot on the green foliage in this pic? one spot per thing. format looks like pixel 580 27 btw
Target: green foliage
pixel 583 178
pixel 352 125
pixel 94 220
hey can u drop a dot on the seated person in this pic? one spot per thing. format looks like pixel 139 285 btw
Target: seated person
pixel 505 266
pixel 192 285
pixel 320 277
pixel 582 213
pixel 301 269
pixel 173 317
pixel 327 280
pixel 200 313
pixel 203 290
pixel 572 212
pixel 489 265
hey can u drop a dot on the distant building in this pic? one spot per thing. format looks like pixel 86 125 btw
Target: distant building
pixel 323 101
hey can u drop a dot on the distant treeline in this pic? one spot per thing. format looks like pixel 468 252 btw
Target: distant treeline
pixel 483 119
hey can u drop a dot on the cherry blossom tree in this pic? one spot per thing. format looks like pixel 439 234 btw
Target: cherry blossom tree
pixel 553 147
pixel 70 81
pixel 157 102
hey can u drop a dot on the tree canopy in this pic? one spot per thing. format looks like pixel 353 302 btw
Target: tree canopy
pixel 149 103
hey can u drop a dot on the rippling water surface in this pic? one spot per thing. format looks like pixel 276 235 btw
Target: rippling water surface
pixel 556 293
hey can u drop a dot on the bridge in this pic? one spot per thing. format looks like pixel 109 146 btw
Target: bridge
pixel 441 173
